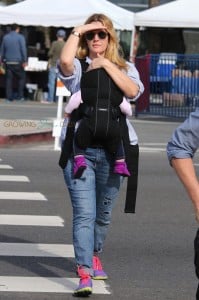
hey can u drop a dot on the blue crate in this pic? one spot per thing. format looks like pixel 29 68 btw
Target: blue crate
pixel 165 70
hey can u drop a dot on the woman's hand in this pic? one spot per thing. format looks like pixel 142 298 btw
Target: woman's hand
pixel 99 62
pixel 89 27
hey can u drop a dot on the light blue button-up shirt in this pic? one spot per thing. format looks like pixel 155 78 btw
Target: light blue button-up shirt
pixel 185 139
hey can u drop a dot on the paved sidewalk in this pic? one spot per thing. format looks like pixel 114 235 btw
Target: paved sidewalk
pixel 25 122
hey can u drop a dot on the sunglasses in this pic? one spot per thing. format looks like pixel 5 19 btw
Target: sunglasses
pixel 101 35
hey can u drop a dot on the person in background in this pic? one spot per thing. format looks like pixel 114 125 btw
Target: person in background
pixel 91 62
pixel 54 54
pixel 180 150
pixel 14 56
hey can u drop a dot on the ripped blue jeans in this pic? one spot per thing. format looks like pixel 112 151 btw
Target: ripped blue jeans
pixel 93 197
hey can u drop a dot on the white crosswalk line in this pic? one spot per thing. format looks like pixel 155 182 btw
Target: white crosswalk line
pixel 33 249
pixel 6 167
pixel 22 196
pixel 14 178
pixel 30 220
pixel 46 285
pixel 150 149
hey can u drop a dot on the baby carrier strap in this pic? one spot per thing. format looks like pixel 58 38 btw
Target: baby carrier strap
pixel 67 145
pixel 84 64
pixel 132 160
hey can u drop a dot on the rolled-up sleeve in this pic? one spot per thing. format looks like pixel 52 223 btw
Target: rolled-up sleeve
pixel 185 139
pixel 134 75
pixel 71 82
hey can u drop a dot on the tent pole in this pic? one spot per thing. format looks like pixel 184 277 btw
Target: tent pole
pixel 131 58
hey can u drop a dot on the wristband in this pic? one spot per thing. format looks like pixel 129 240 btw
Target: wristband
pixel 76 33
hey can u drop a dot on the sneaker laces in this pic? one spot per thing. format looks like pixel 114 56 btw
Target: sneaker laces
pixel 97 263
pixel 82 274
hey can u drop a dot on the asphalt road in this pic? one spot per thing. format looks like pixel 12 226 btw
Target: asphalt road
pixel 148 255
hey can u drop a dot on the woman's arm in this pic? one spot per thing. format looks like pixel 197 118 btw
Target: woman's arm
pixel 68 54
pixel 121 79
pixel 69 50
pixel 180 151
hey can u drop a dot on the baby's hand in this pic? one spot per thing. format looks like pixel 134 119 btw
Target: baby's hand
pixel 66 115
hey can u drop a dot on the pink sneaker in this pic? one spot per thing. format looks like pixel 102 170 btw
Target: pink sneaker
pixel 98 272
pixel 84 288
pixel 79 166
pixel 120 167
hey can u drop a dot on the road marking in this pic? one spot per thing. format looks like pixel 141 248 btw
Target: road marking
pixel 150 149
pixel 154 144
pixel 6 167
pixel 33 249
pixel 46 147
pixel 22 196
pixel 46 285
pixel 14 178
pixel 30 220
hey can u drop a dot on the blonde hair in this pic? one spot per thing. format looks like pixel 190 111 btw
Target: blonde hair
pixel 113 51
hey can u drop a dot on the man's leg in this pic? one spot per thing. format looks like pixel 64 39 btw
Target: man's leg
pixel 9 82
pixel 51 84
pixel 21 76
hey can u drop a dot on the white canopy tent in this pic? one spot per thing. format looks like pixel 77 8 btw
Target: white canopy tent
pixel 176 14
pixel 64 13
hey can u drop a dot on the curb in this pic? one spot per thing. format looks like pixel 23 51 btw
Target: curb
pixel 11 140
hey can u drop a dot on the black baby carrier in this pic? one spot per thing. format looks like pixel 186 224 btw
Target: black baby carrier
pixel 99 111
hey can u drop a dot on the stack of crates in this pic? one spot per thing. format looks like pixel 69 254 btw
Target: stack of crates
pixel 165 65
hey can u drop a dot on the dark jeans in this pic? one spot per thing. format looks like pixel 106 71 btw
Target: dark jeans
pixel 15 71
pixel 196 259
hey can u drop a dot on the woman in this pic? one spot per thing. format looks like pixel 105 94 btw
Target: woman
pixel 92 51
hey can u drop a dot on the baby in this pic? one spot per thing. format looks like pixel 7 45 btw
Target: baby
pixel 80 165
